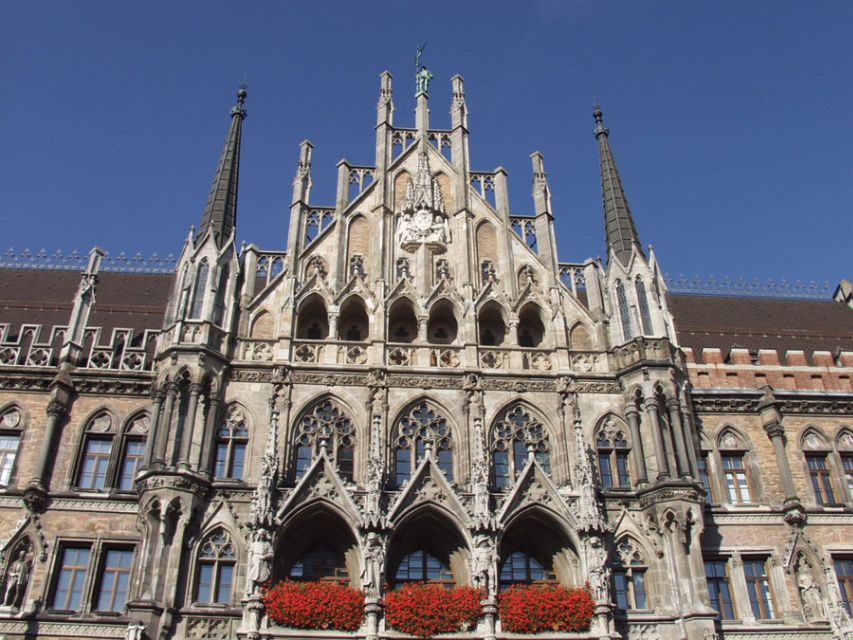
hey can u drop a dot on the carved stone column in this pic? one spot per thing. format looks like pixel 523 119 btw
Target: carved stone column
pixel 633 416
pixel 55 413
pixel 156 406
pixel 208 446
pixel 675 422
pixel 189 425
pixel 654 425
pixel 166 423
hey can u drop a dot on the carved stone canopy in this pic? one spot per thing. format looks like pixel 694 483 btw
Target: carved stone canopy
pixel 422 219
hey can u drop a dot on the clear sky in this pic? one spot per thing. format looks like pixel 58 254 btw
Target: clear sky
pixel 731 122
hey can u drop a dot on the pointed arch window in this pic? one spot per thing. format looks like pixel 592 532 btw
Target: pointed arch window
pixel 320 563
pixel 737 479
pixel 629 577
pixel 96 453
pixel 643 304
pixel 613 452
pixel 325 422
pixel 10 441
pixel 215 573
pixel 232 440
pixel 624 311
pixel 198 293
pixel 133 451
pixel 517 433
pixel 420 427
pixel 219 300
pixel 818 455
pixel 522 568
pixel 844 444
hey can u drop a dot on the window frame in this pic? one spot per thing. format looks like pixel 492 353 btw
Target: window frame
pixel 87 439
pixel 12 430
pixel 514 439
pixel 216 562
pixel 724 579
pixel 608 449
pixel 765 602
pixel 410 442
pixel 548 574
pixel 56 575
pixel 629 562
pixel 231 442
pixel 845 580
pixel 100 576
pixel 336 428
pixel 426 554
pixel 820 478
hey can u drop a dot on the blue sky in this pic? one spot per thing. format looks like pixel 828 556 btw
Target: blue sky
pixel 731 122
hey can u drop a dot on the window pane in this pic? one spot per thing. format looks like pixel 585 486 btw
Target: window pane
pixel 8 452
pixel 345 462
pixel 223 592
pixel 114 580
pixel 133 453
pixel 501 469
pixel 303 460
pixel 622 467
pixel 205 582
pixel 620 589
pixel 639 584
pixel 238 460
pixel 519 454
pixel 72 575
pixel 93 471
pixel 606 473
pixel 445 463
pixel 402 466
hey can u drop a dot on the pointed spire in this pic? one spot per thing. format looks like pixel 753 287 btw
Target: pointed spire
pixel 621 234
pixel 220 212
pixel 458 107
pixel 541 190
pixel 302 180
pixel 385 106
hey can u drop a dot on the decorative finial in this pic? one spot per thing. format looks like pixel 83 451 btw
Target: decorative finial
pixel 599 120
pixel 241 98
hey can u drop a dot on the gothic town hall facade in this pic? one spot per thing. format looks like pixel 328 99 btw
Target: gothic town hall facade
pixel 417 388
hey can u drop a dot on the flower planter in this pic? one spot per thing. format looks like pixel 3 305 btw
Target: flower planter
pixel 531 609
pixel 425 610
pixel 315 605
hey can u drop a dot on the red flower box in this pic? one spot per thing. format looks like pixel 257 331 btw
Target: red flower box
pixel 536 608
pixel 424 610
pixel 315 605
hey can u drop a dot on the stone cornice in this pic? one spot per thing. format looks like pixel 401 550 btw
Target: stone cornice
pixel 790 403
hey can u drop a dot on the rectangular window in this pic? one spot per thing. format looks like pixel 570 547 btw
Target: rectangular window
pixel 402 466
pixel 629 588
pixel 445 463
pixel 96 459
pixel 622 469
pixel 345 462
pixel 215 581
pixel 134 451
pixel 8 453
pixel 303 461
pixel 847 465
pixel 238 460
pixel 737 484
pixel 68 592
pixel 821 481
pixel 501 469
pixel 114 580
pixel 758 587
pixel 844 575
pixel 606 471
pixel 719 589
pixel 704 478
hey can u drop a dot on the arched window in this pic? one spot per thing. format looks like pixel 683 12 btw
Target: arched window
pixel 96 452
pixel 818 453
pixel 198 293
pixel 531 330
pixel 132 451
pixel 402 321
pixel 215 572
pixel 844 444
pixel 325 422
pixel 514 434
pixel 232 439
pixel 442 326
pixel 624 311
pixel 421 566
pixel 312 319
pixel 420 426
pixel 354 324
pixel 522 568
pixel 491 325
pixel 629 577
pixel 643 304
pixel 735 474
pixel 219 299
pixel 320 563
pixel 613 451
pixel 10 439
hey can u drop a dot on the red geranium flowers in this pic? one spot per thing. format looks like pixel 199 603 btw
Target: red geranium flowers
pixel 424 610
pixel 534 609
pixel 315 605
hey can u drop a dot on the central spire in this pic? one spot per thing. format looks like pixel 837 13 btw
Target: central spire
pixel 621 234
pixel 220 212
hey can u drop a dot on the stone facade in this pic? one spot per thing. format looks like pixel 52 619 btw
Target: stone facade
pixel 415 388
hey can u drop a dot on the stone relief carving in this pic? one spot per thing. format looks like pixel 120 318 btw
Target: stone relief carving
pixel 810 592
pixel 422 219
pixel 484 564
pixel 17 577
pixel 372 563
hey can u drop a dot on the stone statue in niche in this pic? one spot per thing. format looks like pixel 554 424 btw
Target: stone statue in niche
pixel 423 217
pixel 485 564
pixel 260 557
pixel 372 561
pixel 17 575
pixel 809 592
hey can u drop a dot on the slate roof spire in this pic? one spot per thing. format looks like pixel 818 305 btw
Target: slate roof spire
pixel 620 231
pixel 220 212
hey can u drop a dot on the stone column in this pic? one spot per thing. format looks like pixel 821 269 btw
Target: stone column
pixel 776 433
pixel 740 596
pixel 166 423
pixel 633 416
pixel 678 433
pixel 55 413
pixel 152 430
pixel 188 427
pixel 209 438
pixel 660 453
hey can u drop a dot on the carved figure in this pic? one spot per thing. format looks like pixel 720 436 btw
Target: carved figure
pixel 260 557
pixel 372 562
pixel 485 563
pixel 134 631
pixel 16 579
pixel 809 592
pixel 599 571
pixel 422 78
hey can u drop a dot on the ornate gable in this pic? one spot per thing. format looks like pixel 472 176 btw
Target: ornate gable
pixel 533 487
pixel 428 486
pixel 321 482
